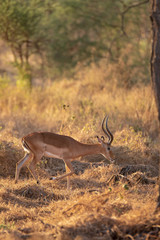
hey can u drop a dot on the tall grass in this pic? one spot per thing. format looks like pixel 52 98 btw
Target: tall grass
pixel 77 107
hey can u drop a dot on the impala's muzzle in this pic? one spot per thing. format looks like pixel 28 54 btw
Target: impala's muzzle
pixel 111 157
pixel 112 161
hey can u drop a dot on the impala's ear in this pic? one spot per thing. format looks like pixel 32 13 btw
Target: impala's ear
pixel 99 139
pixel 102 138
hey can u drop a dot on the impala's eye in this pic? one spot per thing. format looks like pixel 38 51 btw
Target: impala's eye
pixel 108 148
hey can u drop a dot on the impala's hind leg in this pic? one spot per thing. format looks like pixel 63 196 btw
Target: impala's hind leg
pixel 32 167
pixel 22 163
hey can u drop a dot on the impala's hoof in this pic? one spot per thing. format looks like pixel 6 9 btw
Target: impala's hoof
pixel 52 178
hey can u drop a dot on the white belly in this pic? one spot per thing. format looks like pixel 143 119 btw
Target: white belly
pixel 54 152
pixel 52 155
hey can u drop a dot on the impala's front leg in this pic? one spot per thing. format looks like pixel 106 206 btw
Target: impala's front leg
pixel 68 178
pixel 69 170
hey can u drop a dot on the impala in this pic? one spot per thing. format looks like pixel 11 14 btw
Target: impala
pixel 39 144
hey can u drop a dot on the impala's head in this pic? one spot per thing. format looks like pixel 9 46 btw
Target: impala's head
pixel 106 146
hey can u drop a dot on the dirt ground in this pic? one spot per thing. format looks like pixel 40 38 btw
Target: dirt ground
pixel 106 201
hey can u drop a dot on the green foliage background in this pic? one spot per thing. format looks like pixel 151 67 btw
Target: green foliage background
pixel 68 35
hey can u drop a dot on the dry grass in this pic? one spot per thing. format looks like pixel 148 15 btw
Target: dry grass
pixel 106 201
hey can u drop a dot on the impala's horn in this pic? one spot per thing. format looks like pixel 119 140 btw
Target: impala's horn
pixel 106 130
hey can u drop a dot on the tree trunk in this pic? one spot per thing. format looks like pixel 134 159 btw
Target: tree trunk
pixel 155 57
pixel 155 64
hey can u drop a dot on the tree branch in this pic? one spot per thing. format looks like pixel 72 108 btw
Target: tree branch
pixel 134 5
pixel 126 10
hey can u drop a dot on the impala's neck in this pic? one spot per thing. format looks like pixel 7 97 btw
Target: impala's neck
pixel 86 149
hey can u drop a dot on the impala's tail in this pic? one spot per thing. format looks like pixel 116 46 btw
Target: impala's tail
pixel 25 146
